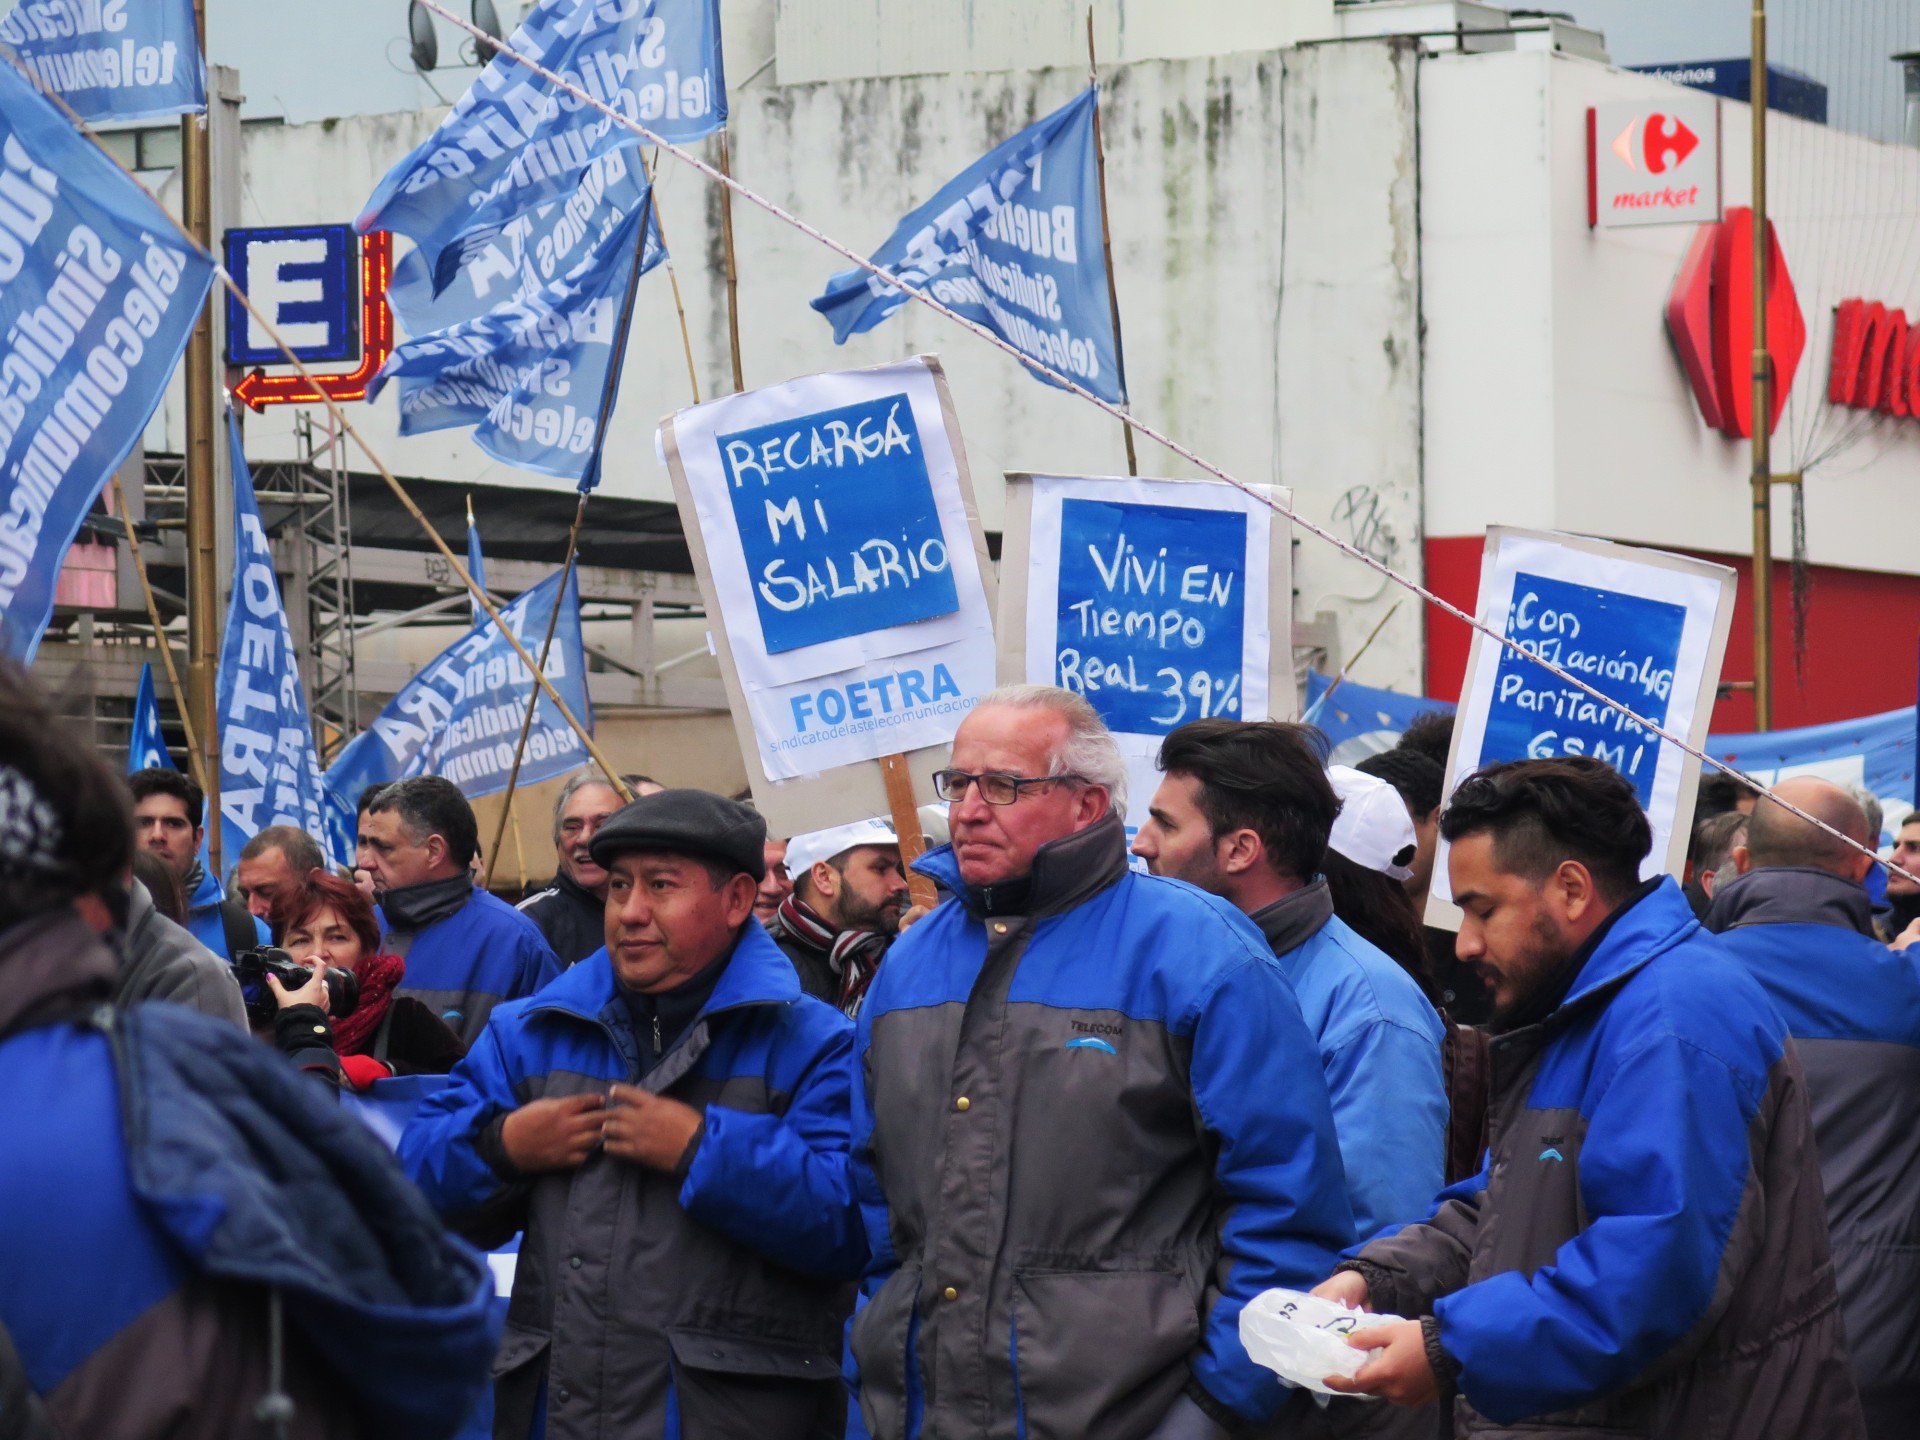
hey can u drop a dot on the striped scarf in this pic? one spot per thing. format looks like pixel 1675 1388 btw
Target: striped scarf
pixel 853 955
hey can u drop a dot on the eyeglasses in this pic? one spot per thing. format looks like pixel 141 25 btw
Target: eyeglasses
pixel 996 787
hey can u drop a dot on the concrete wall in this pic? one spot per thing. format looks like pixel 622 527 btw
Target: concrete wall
pixel 1265 226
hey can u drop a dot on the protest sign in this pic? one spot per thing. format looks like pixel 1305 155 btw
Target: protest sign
pixel 98 294
pixel 531 373
pixel 460 717
pixel 269 771
pixel 1152 598
pixel 1014 242
pixel 833 528
pixel 146 746
pixel 515 141
pixel 1644 628
pixel 111 60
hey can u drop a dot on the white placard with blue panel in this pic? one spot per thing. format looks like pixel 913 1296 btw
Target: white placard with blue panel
pixel 1155 599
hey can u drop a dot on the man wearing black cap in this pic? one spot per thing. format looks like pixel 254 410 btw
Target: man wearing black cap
pixel 668 1122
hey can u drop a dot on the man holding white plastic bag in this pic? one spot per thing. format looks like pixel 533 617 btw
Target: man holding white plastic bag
pixel 1645 1251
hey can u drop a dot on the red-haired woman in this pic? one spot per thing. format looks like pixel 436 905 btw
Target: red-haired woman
pixel 325 920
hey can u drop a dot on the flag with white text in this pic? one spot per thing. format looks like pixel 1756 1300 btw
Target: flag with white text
pixel 269 771
pixel 530 374
pixel 98 294
pixel 1014 242
pixel 515 141
pixel 460 717
pixel 112 59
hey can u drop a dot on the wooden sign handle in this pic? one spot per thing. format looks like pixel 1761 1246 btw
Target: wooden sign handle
pixel 906 824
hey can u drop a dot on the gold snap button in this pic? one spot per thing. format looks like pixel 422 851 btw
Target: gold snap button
pixel 963 1103
pixel 951 1293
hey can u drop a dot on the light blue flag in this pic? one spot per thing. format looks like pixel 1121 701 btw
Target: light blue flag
pixel 98 294
pixel 531 373
pixel 476 566
pixel 269 771
pixel 460 717
pixel 112 59
pixel 1013 242
pixel 147 748
pixel 514 141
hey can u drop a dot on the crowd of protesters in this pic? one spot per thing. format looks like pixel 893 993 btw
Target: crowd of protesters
pixel 785 1154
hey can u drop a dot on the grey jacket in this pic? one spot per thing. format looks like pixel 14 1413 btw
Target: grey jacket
pixel 1086 1132
pixel 162 961
pixel 1645 1253
pixel 1854 1009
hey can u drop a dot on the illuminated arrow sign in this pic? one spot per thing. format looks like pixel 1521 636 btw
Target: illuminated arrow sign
pixel 292 287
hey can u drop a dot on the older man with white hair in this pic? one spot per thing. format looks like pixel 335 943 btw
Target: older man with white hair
pixel 1089 1121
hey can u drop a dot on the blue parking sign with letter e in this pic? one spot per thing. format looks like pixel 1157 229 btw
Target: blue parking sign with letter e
pixel 305 279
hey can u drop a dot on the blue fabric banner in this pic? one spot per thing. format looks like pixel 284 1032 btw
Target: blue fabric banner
pixel 529 374
pixel 460 717
pixel 112 59
pixel 98 294
pixel 1876 751
pixel 269 771
pixel 147 747
pixel 1013 242
pixel 514 141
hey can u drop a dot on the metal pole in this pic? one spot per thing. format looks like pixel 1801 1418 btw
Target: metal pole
pixel 1762 397
pixel 203 581
pixel 1106 240
pixel 733 272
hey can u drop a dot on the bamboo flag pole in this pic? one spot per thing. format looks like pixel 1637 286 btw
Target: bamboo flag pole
pixel 673 276
pixel 1106 241
pixel 733 270
pixel 160 634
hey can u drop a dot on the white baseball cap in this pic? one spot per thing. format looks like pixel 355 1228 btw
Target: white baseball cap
pixel 1373 827
pixel 806 851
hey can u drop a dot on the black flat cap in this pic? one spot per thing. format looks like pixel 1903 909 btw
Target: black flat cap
pixel 686 822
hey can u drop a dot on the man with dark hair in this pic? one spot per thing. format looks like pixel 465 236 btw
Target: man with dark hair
pixel 1245 812
pixel 272 864
pixel 172 1193
pixel 572 911
pixel 669 1126
pixel 1797 916
pixel 1719 793
pixel 1903 895
pixel 1430 733
pixel 1089 1122
pixel 844 911
pixel 1419 777
pixel 466 950
pixel 169 813
pixel 1645 1250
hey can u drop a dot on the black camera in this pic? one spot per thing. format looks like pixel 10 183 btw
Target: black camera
pixel 252 967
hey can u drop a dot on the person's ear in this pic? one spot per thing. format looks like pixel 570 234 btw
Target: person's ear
pixel 1572 886
pixel 437 849
pixel 199 835
pixel 1239 851
pixel 1858 866
pixel 737 897
pixel 1742 860
pixel 826 880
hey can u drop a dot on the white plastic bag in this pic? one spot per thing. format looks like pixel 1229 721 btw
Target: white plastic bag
pixel 1303 1338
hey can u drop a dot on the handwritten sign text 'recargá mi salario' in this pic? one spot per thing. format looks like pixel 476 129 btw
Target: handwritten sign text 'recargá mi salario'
pixel 837 518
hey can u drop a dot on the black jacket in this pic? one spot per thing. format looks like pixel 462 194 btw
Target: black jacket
pixel 573 920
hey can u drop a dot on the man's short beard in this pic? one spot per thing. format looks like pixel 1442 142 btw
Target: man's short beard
pixel 857 914
pixel 1545 957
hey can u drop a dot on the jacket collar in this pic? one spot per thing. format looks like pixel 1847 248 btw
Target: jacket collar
pixel 1066 872
pixel 1654 921
pixel 567 885
pixel 202 887
pixel 1292 920
pixel 758 974
pixel 1791 895
pixel 414 907
pixel 54 960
